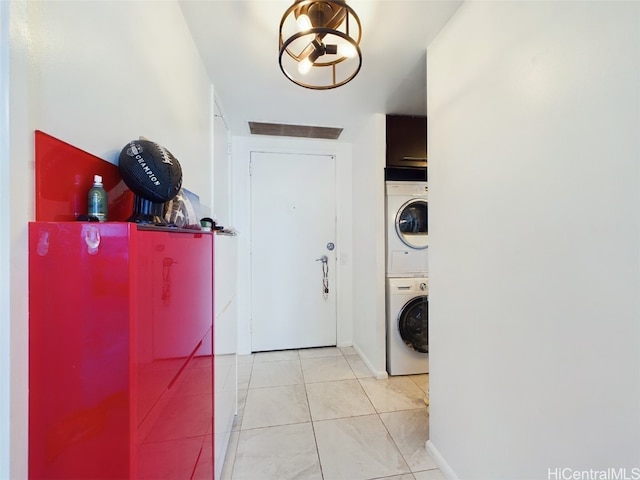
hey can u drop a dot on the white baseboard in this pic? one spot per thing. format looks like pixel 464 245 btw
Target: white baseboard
pixel 444 467
pixel 377 374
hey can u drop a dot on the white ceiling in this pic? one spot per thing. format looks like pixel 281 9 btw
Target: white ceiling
pixel 238 41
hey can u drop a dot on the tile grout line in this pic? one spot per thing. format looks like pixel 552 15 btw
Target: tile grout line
pixel 239 431
pixel 313 427
pixel 306 382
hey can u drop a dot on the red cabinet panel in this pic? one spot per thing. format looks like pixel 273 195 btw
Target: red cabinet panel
pixel 64 175
pixel 117 374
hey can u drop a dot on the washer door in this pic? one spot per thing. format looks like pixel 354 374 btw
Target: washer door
pixel 411 223
pixel 413 324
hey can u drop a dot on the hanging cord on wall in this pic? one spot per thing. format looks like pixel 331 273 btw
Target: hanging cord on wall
pixel 325 275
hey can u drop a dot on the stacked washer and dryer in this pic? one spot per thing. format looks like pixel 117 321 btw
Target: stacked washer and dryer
pixel 407 277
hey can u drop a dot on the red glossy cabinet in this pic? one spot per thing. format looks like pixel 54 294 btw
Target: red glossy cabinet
pixel 121 373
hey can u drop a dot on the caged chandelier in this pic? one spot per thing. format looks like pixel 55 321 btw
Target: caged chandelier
pixel 320 43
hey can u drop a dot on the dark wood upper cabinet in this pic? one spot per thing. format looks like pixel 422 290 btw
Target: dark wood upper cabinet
pixel 406 141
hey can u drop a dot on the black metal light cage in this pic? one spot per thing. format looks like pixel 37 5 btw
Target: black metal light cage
pixel 330 68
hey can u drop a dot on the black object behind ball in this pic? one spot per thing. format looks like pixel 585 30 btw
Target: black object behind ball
pixel 154 175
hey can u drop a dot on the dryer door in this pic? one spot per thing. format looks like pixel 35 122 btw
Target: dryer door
pixel 413 324
pixel 411 223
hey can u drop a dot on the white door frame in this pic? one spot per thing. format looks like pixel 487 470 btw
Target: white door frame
pixel 241 154
pixel 320 328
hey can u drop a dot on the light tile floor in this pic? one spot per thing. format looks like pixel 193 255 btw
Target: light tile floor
pixel 319 414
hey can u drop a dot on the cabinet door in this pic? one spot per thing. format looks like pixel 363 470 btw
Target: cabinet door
pixel 175 398
pixel 79 342
pixel 406 141
pixel 182 289
pixel 175 308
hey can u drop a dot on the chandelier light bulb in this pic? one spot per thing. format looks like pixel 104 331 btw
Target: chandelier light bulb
pixel 304 66
pixel 347 50
pixel 304 22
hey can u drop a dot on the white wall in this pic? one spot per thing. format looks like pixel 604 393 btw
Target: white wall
pixel 369 149
pixel 222 212
pixel 534 114
pixel 241 151
pixel 19 198
pixel 137 72
pixel 5 257
pixel 94 74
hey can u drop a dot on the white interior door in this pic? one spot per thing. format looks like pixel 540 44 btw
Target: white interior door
pixel 293 220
